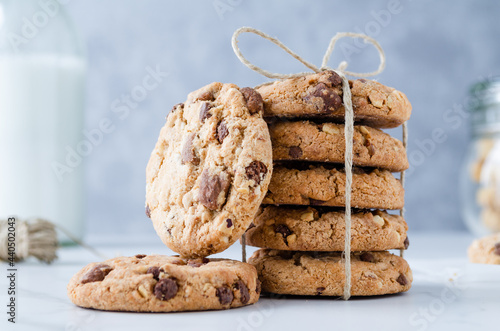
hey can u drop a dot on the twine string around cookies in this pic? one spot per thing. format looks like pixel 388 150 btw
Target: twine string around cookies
pixel 402 177
pixel 349 115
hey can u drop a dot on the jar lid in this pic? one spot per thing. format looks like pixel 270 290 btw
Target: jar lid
pixel 484 106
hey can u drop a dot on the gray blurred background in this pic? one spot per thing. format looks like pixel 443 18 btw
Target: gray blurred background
pixel 434 50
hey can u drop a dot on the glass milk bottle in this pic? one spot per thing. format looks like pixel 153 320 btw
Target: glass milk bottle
pixel 42 69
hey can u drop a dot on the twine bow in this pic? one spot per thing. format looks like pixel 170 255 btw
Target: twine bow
pixel 349 114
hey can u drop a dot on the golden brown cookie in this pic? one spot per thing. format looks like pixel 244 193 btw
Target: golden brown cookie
pixel 158 283
pixel 320 185
pixel 209 170
pixel 313 273
pixel 485 250
pixel 320 96
pixel 325 142
pixel 321 229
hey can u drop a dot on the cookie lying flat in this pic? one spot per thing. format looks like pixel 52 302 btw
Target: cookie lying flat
pixel 325 142
pixel 310 273
pixel 320 96
pixel 318 185
pixel 320 229
pixel 157 283
pixel 485 250
pixel 209 170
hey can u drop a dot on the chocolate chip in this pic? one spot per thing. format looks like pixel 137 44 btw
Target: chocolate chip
pixel 258 287
pixel 225 295
pixel 407 242
pixel 206 96
pixel 140 256
pixel 295 152
pixel 320 290
pixel 497 248
pixel 222 131
pixel 174 108
pixel 402 280
pixel 324 99
pixel 229 223
pixel 283 229
pixel 204 111
pixel 256 171
pixel 370 147
pixel 367 257
pixel 198 262
pixel 148 211
pixel 96 274
pixel 188 154
pixel 155 271
pixel 213 190
pixel 314 202
pixel 194 264
pixel 166 289
pixel 244 294
pixel 253 99
pixel 334 78
pixel 362 80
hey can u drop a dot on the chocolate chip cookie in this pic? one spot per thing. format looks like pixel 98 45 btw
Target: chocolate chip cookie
pixel 323 229
pixel 325 142
pixel 322 273
pixel 209 170
pixel 157 283
pixel 324 186
pixel 320 96
pixel 485 250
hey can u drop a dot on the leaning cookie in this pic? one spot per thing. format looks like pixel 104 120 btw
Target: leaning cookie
pixel 322 185
pixel 485 250
pixel 316 273
pixel 157 283
pixel 321 229
pixel 325 142
pixel 209 170
pixel 320 96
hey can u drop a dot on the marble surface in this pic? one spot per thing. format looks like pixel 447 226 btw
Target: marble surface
pixel 448 293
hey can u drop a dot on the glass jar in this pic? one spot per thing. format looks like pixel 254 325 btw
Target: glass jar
pixel 42 69
pixel 480 178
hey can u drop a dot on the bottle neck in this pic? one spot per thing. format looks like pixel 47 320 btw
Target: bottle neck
pixel 34 27
pixel 485 120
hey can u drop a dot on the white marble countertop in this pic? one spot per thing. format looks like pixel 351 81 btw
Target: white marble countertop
pixel 447 293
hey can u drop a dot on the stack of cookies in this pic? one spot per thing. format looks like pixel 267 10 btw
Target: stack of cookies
pixel 206 179
pixel 212 169
pixel 300 225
